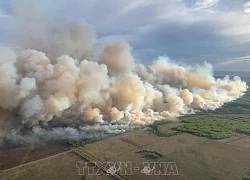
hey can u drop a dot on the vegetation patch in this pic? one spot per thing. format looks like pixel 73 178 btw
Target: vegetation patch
pixel 155 130
pixel 150 154
pixel 246 177
pixel 82 142
pixel 214 127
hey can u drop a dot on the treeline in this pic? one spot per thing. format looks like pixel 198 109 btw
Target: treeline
pixel 82 142
pixel 214 127
pixel 155 130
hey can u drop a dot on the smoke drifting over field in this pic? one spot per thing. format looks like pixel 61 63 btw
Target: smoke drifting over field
pixel 61 87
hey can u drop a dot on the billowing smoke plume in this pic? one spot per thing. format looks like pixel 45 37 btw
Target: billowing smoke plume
pixel 60 82
pixel 74 39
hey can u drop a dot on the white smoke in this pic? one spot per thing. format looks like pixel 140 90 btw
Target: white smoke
pixel 67 84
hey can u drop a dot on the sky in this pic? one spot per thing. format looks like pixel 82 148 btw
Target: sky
pixel 187 31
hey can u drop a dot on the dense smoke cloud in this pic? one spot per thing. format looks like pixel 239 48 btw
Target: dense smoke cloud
pixel 74 39
pixel 62 81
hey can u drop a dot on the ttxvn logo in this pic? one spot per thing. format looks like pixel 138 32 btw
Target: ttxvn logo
pixel 126 168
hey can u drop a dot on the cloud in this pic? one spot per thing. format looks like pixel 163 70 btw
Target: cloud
pixel 186 30
pixel 246 7
pixel 204 4
pixel 235 64
pixel 235 60
pixel 3 14
pixel 135 5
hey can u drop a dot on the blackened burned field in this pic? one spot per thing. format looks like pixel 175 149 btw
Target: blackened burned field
pixel 12 155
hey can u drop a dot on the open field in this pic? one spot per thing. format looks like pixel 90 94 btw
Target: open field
pixel 195 157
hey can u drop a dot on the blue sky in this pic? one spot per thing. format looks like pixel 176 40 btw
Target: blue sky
pixel 189 31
